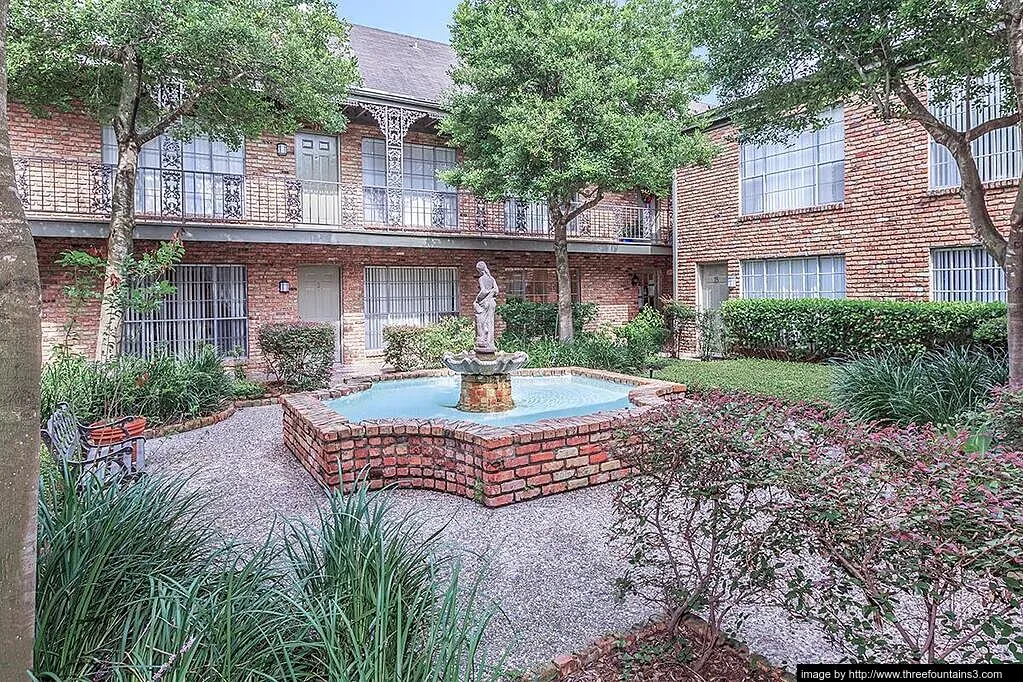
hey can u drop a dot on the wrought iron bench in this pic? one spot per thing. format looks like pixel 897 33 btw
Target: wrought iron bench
pixel 72 443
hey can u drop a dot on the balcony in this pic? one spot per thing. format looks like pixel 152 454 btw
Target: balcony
pixel 56 189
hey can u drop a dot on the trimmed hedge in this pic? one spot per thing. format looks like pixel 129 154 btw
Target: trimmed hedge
pixel 299 354
pixel 409 348
pixel 816 328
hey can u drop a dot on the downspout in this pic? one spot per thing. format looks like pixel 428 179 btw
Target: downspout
pixel 674 235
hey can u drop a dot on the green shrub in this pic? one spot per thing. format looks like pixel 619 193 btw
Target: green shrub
pixel 300 354
pixel 936 387
pixel 597 350
pixel 409 348
pixel 644 335
pixel 132 585
pixel 527 320
pixel 993 332
pixel 1000 422
pixel 247 389
pixel 826 328
pixel 162 389
pixel 680 319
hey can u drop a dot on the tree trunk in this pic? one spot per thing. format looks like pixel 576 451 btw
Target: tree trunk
pixel 120 245
pixel 566 330
pixel 20 362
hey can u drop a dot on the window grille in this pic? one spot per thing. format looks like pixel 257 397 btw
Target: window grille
pixel 209 306
pixel 417 296
pixel 539 285
pixel 997 153
pixel 966 274
pixel 810 277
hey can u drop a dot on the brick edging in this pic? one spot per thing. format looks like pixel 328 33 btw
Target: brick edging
pixel 208 420
pixel 563 665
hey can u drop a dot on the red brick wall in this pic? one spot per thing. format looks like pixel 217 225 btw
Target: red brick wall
pixel 886 226
pixel 606 280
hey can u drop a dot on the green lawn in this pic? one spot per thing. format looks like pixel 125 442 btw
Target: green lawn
pixel 789 380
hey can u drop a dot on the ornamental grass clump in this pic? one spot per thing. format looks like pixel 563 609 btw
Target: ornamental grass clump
pixel 936 387
pixel 134 585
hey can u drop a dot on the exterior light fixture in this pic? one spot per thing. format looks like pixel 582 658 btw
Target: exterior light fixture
pixel 284 286
pixel 282 149
pixel 635 280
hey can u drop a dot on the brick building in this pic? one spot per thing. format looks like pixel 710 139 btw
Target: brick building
pixel 353 229
pixel 858 209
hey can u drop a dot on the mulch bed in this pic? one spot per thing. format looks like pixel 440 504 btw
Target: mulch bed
pixel 657 657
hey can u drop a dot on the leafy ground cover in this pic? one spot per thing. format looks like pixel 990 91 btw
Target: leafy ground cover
pixel 783 379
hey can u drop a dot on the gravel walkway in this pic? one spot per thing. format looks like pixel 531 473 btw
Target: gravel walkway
pixel 547 561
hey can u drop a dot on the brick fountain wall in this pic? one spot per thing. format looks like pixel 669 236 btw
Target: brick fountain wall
pixel 494 465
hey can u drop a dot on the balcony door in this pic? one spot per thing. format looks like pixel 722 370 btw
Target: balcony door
pixel 317 161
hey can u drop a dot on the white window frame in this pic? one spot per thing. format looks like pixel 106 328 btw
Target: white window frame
pixel 818 289
pixel 419 181
pixel 999 153
pixel 218 293
pixel 390 295
pixel 202 189
pixel 984 279
pixel 754 156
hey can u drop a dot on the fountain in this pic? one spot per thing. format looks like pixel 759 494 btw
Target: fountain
pixel 485 371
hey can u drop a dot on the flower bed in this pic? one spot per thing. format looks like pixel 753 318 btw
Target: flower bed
pixel 495 465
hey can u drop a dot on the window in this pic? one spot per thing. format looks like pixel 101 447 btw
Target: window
pixel 209 305
pixel 997 153
pixel 426 200
pixel 539 285
pixel 210 180
pixel 407 296
pixel 806 171
pixel 966 274
pixel 812 277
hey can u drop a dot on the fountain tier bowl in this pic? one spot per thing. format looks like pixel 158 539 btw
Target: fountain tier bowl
pixel 406 429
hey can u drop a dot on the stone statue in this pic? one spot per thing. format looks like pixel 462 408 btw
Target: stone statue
pixel 485 306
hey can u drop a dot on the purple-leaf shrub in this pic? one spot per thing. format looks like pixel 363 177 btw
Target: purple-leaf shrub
pixel 905 544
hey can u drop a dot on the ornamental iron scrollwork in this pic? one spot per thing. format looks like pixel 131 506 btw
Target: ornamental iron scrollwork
pixel 171 185
pixel 233 205
pixel 521 216
pixel 481 215
pixel 293 201
pixel 438 214
pixel 21 181
pixel 101 182
pixel 351 207
pixel 394 123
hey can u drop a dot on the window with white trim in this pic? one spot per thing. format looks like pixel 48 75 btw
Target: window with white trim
pixel 966 274
pixel 808 277
pixel 427 201
pixel 203 165
pixel 997 153
pixel 539 285
pixel 209 306
pixel 417 296
pixel 806 171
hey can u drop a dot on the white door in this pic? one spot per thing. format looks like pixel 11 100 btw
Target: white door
pixel 316 157
pixel 713 292
pixel 319 299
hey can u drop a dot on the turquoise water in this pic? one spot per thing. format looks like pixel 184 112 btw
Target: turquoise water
pixel 535 398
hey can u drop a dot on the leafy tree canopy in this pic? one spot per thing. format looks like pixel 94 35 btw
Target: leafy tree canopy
pixel 227 68
pixel 779 64
pixel 554 96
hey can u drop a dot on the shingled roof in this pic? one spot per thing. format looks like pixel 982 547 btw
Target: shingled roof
pixel 401 65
